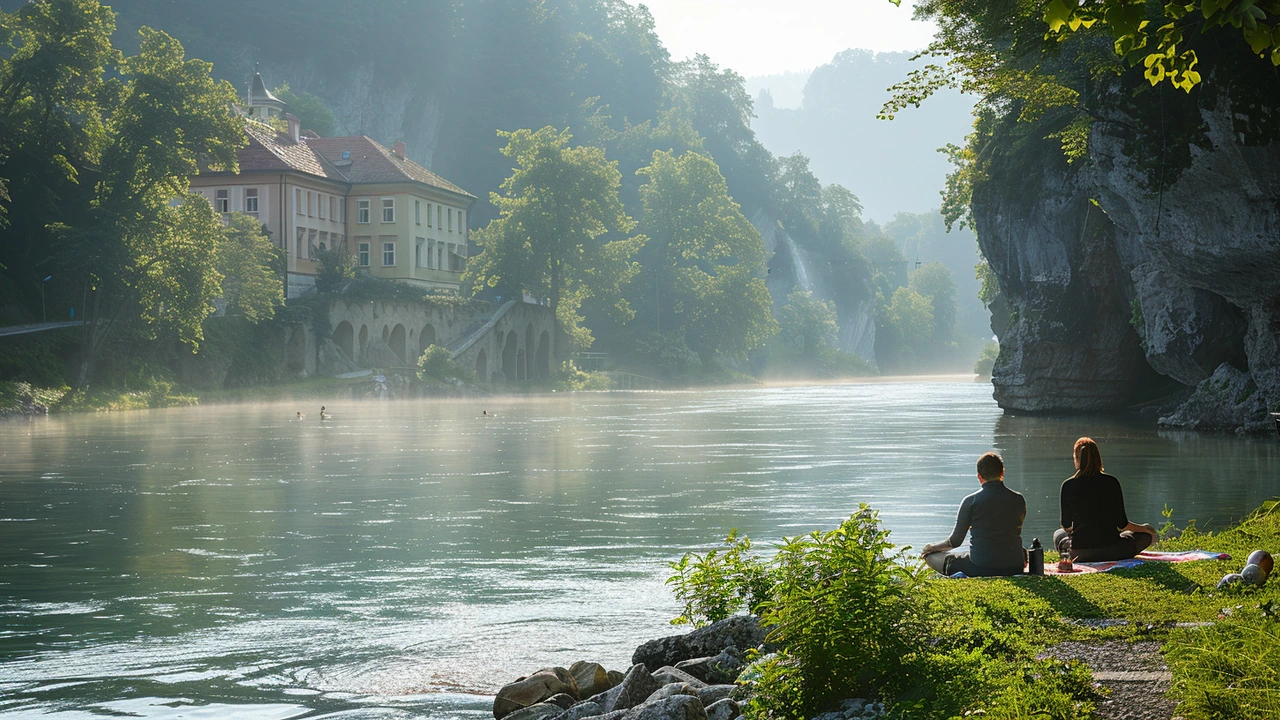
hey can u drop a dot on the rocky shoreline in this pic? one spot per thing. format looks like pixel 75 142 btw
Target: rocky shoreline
pixel 699 675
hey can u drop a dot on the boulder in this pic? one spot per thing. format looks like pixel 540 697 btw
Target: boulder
pixel 591 677
pixel 677 707
pixel 537 711
pixel 1228 400
pixel 532 690
pixel 725 709
pixel 722 668
pixel 668 674
pixel 712 694
pixel 740 631
pixel 564 700
pixel 669 690
pixel 584 709
pixel 636 686
pixel 615 677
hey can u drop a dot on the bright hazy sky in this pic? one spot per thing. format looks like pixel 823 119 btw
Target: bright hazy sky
pixel 765 37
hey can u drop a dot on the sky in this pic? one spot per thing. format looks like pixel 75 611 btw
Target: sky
pixel 765 37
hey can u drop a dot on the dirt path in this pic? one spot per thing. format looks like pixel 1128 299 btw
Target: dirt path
pixel 1135 673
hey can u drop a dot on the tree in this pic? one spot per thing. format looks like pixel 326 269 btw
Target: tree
pixel 708 258
pixel 548 239
pixel 138 252
pixel 311 110
pixel 933 281
pixel 808 323
pixel 911 315
pixel 251 266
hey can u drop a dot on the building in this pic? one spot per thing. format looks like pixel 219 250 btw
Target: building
pixel 399 220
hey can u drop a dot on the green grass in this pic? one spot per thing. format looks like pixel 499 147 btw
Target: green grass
pixel 1229 669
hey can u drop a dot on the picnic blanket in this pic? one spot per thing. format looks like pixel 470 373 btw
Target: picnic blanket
pixel 1142 557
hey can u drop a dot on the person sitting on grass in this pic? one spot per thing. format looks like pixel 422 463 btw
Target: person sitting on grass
pixel 994 515
pixel 1095 527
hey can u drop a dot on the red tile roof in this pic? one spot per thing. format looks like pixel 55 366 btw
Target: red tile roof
pixel 271 151
pixel 373 163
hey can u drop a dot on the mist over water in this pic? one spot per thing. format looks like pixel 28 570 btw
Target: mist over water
pixel 406 558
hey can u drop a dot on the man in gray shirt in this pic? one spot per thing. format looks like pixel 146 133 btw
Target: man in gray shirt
pixel 994 515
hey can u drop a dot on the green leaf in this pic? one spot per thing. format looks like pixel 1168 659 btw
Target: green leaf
pixel 1056 15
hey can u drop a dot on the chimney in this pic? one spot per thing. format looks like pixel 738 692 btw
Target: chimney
pixel 295 127
pixel 398 148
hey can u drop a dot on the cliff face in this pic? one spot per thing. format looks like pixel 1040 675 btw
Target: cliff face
pixel 1113 301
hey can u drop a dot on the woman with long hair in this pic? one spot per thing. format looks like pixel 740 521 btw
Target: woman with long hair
pixel 1095 526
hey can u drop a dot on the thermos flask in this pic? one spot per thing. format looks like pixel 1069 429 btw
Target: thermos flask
pixel 1035 558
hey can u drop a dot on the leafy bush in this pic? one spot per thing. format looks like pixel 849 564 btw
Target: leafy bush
pixel 571 379
pixel 334 267
pixel 720 583
pixel 436 363
pixel 987 360
pixel 845 614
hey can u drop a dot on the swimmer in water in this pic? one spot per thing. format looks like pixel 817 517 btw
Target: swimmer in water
pixel 484 413
pixel 299 414
pixel 323 414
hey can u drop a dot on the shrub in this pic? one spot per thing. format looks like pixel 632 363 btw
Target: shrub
pixel 720 583
pixel 436 363
pixel 987 360
pixel 571 379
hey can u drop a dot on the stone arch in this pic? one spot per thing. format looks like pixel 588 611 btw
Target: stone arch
pixel 522 365
pixel 397 343
pixel 344 337
pixel 526 367
pixel 509 355
pixel 426 338
pixel 386 334
pixel 364 341
pixel 482 365
pixel 542 357
pixel 295 351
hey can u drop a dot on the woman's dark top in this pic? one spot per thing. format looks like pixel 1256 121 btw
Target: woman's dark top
pixel 1093 508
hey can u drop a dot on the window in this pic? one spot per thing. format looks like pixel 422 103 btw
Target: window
pixel 450 219
pixel 417 212
pixel 251 201
pixel 388 210
pixel 311 244
pixel 439 222
pixel 429 215
pixel 418 245
pixel 333 207
pixel 302 233
pixel 439 254
pixel 362 257
pixel 297 201
pixel 362 212
pixel 221 203
pixel 462 222
pixel 310 210
pixel 320 203
pixel 388 254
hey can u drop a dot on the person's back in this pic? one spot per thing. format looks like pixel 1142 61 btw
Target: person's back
pixel 994 516
pixel 1093 507
pixel 996 527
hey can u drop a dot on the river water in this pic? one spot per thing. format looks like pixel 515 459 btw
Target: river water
pixel 406 558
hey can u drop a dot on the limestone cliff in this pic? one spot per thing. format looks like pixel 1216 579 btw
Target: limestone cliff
pixel 1119 292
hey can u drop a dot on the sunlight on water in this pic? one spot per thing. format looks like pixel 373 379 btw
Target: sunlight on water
pixel 406 559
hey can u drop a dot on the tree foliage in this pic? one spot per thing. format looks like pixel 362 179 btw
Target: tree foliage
pixel 808 323
pixel 313 113
pixel 251 266
pixel 709 260
pixel 550 238
pixel 933 281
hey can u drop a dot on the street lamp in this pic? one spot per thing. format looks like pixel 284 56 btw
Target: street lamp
pixel 43 316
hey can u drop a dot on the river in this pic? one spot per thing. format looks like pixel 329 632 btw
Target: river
pixel 403 559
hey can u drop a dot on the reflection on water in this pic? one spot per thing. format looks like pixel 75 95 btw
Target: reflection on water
pixel 402 559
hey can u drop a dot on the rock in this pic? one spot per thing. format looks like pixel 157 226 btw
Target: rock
pixel 678 707
pixel 331 360
pixel 591 678
pixel 1187 332
pixel 537 711
pixel 722 668
pixel 532 690
pixel 715 693
pixel 725 709
pixel 615 677
pixel 853 707
pixel 740 631
pixel 584 709
pixel 1228 400
pixel 1230 579
pixel 669 690
pixel 1263 559
pixel 1251 574
pixel 636 686
pixel 667 674
pixel 564 700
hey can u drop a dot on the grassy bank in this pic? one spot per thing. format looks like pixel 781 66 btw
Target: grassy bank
pixel 858 617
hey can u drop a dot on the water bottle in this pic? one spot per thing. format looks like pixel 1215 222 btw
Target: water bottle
pixel 1035 558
